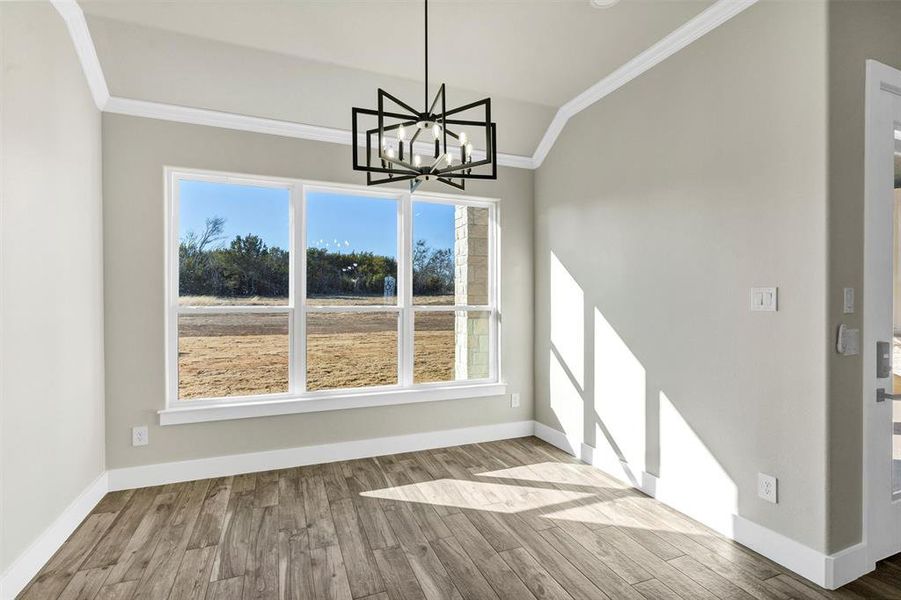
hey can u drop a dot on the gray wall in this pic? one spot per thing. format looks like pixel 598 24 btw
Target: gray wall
pixel 857 31
pixel 163 66
pixel 134 153
pixel 656 211
pixel 51 309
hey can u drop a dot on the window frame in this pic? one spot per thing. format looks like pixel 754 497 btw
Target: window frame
pixel 297 398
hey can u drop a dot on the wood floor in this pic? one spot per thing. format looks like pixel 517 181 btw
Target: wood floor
pixel 511 520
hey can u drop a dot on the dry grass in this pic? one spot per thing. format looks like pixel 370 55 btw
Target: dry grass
pixel 217 301
pixel 216 366
pixel 312 301
pixel 246 354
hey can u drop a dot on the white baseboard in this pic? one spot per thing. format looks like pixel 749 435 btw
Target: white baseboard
pixel 830 571
pixel 559 439
pixel 847 565
pixel 26 566
pixel 221 466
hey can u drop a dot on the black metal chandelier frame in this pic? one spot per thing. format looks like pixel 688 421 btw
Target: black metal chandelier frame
pixel 390 166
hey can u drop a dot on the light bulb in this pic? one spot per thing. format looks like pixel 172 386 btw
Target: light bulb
pixel 468 148
pixel 436 131
pixel 417 161
pixel 390 152
pixel 401 133
pixel 450 158
pixel 463 138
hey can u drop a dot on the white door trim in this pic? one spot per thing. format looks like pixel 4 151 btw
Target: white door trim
pixel 880 519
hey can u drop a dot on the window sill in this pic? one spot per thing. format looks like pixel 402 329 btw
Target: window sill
pixel 288 406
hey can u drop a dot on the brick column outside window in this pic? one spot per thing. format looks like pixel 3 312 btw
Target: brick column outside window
pixel 471 287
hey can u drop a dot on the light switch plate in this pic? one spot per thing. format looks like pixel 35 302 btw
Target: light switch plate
pixel 764 299
pixel 848 301
pixel 514 400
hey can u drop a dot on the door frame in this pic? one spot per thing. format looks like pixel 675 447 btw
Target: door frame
pixel 883 86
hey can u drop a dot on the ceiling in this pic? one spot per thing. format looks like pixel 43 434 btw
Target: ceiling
pixel 531 56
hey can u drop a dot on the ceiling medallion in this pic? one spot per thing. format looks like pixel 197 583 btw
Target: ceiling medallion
pixel 408 145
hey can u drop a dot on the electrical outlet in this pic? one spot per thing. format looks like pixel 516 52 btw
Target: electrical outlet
pixel 514 400
pixel 768 488
pixel 140 436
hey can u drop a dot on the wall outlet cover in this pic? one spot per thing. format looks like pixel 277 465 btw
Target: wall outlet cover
pixel 140 436
pixel 514 400
pixel 768 488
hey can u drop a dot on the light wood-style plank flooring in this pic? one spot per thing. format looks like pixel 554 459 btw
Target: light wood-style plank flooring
pixel 510 520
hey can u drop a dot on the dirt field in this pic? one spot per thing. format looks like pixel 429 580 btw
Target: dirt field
pixel 243 354
pixel 312 301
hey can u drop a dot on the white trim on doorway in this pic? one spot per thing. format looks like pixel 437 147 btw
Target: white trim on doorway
pixel 705 22
pixel 881 516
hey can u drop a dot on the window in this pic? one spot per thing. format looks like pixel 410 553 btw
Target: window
pixel 315 296
pixel 352 312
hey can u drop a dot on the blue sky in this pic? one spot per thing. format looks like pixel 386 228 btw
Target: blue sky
pixel 246 209
pixel 335 221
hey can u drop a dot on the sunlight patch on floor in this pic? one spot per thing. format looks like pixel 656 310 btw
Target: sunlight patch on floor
pixel 477 495
pixel 556 473
pixel 603 513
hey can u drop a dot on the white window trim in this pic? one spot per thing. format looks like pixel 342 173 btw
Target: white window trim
pixel 297 399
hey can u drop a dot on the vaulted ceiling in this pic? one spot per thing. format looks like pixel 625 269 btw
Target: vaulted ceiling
pixel 310 61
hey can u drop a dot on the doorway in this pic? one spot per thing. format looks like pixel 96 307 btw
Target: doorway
pixel 896 323
pixel 882 314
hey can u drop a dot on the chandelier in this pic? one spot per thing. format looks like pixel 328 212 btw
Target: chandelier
pixel 404 144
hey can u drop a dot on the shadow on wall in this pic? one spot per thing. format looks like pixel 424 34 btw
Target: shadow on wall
pixel 625 426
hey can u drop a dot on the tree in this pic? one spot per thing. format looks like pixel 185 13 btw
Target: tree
pixel 195 273
pixel 248 267
pixel 433 270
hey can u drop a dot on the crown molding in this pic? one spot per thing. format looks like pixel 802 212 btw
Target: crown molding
pixel 73 16
pixel 708 20
pixel 705 22
pixel 90 64
pixel 226 120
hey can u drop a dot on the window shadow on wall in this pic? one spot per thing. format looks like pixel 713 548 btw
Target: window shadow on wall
pixel 616 414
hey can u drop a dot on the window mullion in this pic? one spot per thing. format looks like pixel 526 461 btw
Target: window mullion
pixel 406 255
pixel 172 273
pixel 353 308
pixel 299 292
pixel 494 329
